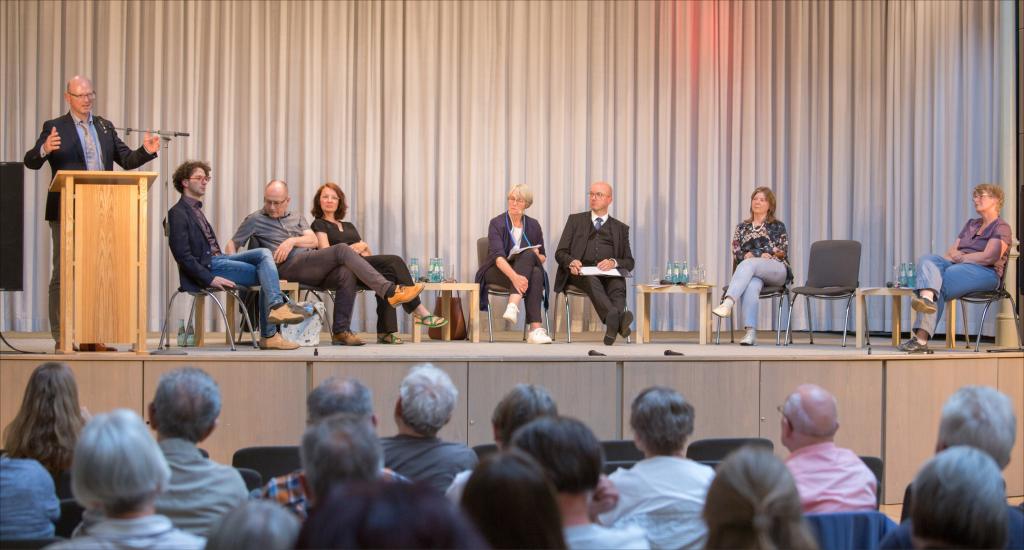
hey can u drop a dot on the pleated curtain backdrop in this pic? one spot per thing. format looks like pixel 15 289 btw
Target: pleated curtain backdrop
pixel 870 120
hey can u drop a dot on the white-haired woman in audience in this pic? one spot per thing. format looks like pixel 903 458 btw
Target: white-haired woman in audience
pixel 975 262
pixel 256 524
pixel 118 470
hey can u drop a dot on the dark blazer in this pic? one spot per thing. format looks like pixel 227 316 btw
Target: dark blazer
pixel 189 247
pixel 70 156
pixel 500 244
pixel 573 244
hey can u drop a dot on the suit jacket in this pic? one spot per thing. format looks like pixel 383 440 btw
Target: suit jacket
pixel 189 247
pixel 572 245
pixel 70 156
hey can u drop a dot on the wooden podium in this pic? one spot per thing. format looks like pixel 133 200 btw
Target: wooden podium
pixel 103 253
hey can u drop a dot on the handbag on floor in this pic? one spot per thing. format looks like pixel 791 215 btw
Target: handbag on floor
pixel 457 320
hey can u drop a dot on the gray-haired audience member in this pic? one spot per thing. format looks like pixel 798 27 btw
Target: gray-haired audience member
pixel 184 412
pixel 663 493
pixel 118 470
pixel 959 501
pixel 340 448
pixel 829 478
pixel 520 405
pixel 255 524
pixel 425 403
pixel 572 460
pixel 974 416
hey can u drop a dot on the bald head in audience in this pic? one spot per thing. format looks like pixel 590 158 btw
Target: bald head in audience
pixel 810 416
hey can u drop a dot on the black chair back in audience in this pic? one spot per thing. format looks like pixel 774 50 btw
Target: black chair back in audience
pixel 70 517
pixel 877 467
pixel 716 449
pixel 485 450
pixel 252 478
pixel 28 544
pixel 63 486
pixel 204 452
pixel 268 461
pixel 621 450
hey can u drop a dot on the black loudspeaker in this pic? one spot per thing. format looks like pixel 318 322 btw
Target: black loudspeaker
pixel 12 225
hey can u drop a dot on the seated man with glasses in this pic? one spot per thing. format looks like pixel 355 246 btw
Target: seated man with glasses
pixel 596 239
pixel 975 262
pixel 201 264
pixel 295 250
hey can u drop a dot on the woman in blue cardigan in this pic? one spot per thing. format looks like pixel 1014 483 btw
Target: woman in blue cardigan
pixel 512 264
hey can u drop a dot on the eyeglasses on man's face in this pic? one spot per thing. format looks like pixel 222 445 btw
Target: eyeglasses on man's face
pixel 594 195
pixel 206 179
pixel 275 204
pixel 90 95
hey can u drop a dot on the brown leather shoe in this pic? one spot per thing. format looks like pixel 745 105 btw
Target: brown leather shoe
pixel 346 338
pixel 404 294
pixel 277 342
pixel 287 314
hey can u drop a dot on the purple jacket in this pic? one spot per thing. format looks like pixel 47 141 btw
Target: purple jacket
pixel 499 243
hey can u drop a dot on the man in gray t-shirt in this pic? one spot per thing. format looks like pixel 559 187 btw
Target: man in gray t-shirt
pixel 295 250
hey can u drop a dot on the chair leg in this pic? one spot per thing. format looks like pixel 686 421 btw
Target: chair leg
pixel 247 320
pixel 192 313
pixel 568 319
pixel 224 315
pixel 967 330
pixel 525 324
pixel 846 320
pixel 1016 320
pixel 167 319
pixel 490 324
pixel 810 320
pixel 718 330
pixel 984 314
pixel 789 320
pixel 778 321
pixel 867 325
pixel 732 329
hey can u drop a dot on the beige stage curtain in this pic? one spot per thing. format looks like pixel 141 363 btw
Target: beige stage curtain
pixel 871 120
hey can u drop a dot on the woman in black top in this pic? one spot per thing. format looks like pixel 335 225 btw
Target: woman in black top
pixel 329 208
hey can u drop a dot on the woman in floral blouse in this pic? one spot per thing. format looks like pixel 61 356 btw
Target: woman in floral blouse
pixel 760 249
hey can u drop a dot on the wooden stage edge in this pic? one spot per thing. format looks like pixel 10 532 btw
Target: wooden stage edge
pixel 889 402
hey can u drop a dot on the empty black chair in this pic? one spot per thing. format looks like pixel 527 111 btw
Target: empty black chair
pixel 484 450
pixel 252 478
pixel 268 461
pixel 621 450
pixel 716 449
pixel 877 467
pixel 833 273
pixel 70 517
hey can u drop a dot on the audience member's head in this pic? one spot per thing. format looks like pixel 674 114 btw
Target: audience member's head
pixel 522 404
pixel 339 448
pixel 512 503
pixel 753 503
pixel 46 426
pixel 567 450
pixel 118 467
pixel 661 419
pixel 339 395
pixel 809 416
pixel 959 501
pixel 255 524
pixel 379 514
pixel 425 401
pixel 186 405
pixel 979 417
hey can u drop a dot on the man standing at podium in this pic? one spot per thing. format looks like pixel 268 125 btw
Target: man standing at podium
pixel 80 140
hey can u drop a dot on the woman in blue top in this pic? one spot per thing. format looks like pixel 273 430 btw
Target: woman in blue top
pixel 974 263
pixel 521 272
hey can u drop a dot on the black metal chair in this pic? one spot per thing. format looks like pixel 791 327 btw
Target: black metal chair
pixel 832 274
pixel 988 297
pixel 612 465
pixel 210 292
pixel 877 467
pixel 767 292
pixel 716 449
pixel 269 461
pixel 571 290
pixel 482 451
pixel 491 289
pixel 252 478
pixel 70 516
pixel 621 450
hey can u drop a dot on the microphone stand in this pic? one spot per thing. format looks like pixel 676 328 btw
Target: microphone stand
pixel 166 136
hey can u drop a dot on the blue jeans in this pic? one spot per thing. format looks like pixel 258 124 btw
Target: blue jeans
pixel 948 280
pixel 249 268
pixel 748 279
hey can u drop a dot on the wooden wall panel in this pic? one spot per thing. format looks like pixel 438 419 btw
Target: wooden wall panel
pixel 1011 382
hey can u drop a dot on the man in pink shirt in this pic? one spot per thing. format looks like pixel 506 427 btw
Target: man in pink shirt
pixel 828 478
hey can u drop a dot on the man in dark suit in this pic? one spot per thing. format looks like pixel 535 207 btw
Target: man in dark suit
pixel 201 264
pixel 80 140
pixel 596 239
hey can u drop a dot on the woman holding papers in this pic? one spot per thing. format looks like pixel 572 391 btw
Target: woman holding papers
pixel 329 208
pixel 760 255
pixel 515 260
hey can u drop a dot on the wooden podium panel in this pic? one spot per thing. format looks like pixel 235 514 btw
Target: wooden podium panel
pixel 103 257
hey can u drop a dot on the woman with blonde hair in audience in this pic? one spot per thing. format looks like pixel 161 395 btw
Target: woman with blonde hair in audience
pixel 753 503
pixel 47 425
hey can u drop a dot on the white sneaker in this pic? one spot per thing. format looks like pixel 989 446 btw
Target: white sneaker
pixel 538 336
pixel 750 338
pixel 511 313
pixel 724 309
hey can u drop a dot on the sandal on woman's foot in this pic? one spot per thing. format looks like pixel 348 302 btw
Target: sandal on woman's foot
pixel 389 338
pixel 430 321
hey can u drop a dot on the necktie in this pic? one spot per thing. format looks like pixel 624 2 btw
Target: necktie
pixel 598 223
pixel 92 157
